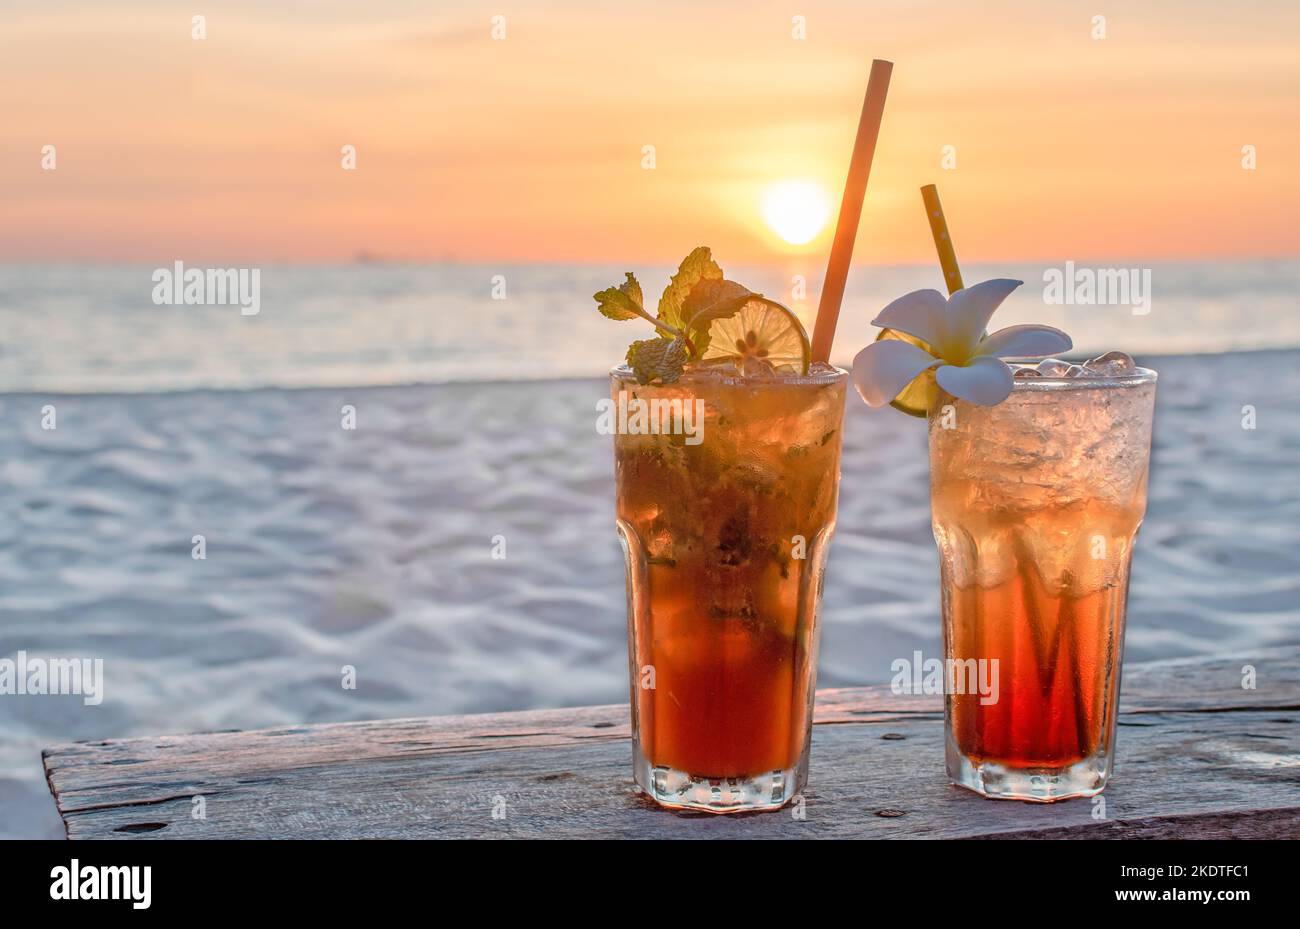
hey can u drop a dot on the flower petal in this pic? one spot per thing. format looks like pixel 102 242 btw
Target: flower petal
pixel 922 313
pixel 1028 341
pixel 969 311
pixel 884 368
pixel 985 381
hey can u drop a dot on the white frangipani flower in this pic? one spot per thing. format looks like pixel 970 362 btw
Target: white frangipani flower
pixel 969 364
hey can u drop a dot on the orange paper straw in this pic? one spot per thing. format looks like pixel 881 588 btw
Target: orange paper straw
pixel 942 241
pixel 846 227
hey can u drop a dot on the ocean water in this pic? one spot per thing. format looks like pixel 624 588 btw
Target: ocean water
pixel 98 330
pixel 372 547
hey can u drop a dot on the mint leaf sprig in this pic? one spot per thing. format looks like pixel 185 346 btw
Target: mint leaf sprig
pixel 696 296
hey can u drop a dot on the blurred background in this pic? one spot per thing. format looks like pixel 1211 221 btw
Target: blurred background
pixel 432 191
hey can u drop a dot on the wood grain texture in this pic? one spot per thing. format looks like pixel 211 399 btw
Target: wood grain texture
pixel 1198 757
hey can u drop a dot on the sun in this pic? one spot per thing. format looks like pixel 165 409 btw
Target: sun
pixel 796 210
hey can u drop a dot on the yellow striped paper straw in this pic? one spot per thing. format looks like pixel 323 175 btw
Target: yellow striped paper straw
pixel 942 240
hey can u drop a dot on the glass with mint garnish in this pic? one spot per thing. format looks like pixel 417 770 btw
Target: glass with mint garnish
pixel 727 451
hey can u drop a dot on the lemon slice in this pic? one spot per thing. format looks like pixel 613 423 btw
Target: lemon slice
pixel 916 397
pixel 761 335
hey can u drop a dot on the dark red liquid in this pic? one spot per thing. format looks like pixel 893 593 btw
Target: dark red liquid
pixel 1057 672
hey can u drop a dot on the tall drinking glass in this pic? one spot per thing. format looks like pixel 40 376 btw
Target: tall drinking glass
pixel 1036 504
pixel 725 536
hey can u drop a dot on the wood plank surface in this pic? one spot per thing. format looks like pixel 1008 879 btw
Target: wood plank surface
pixel 1198 756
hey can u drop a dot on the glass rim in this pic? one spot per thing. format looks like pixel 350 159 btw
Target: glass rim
pixel 835 374
pixel 1138 378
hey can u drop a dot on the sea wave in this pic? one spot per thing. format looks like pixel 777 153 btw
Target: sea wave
pixel 97 330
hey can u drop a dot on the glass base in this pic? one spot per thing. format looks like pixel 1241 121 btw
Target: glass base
pixel 681 791
pixel 1085 778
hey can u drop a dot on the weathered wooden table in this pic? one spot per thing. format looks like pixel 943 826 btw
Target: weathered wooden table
pixel 1199 756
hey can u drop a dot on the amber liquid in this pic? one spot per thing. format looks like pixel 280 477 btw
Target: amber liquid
pixel 1057 672
pixel 1036 504
pixel 726 542
pixel 731 691
pixel 1043 597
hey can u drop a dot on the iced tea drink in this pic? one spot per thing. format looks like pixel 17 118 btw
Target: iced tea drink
pixel 726 541
pixel 1036 503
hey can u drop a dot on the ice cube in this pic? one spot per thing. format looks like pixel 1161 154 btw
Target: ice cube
pixel 1053 367
pixel 1026 371
pixel 1077 371
pixel 1111 364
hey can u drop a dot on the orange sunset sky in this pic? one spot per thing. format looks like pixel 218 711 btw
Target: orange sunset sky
pixel 530 148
